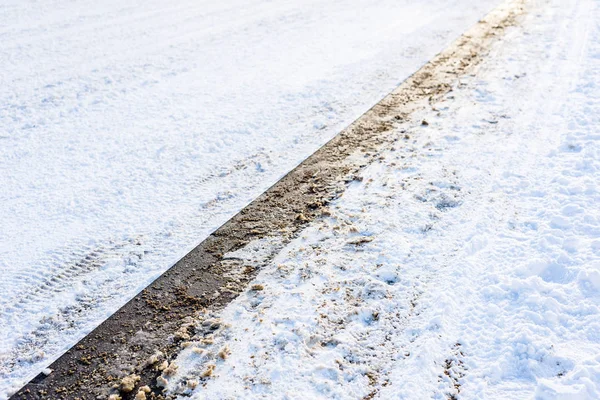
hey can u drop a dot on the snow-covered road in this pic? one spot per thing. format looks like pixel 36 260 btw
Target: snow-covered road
pixel 130 130
pixel 464 264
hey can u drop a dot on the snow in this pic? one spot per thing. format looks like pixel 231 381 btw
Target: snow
pixel 480 277
pixel 131 130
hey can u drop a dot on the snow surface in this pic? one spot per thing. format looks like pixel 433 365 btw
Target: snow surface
pixel 466 262
pixel 129 130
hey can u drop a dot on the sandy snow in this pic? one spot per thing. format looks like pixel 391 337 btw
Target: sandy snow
pixel 129 130
pixel 466 262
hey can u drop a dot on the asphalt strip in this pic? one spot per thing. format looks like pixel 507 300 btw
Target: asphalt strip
pixel 128 350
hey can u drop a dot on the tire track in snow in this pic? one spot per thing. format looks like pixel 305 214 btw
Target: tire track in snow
pixel 65 281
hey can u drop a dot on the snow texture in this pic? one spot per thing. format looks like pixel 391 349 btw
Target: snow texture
pixel 129 130
pixel 465 263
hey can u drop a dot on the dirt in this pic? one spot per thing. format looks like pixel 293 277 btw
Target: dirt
pixel 151 329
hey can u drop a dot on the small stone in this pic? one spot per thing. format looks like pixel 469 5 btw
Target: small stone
pixel 161 382
pixel 141 395
pixel 208 372
pixel 154 358
pixel 360 240
pixel 192 383
pixel 199 351
pixel 224 352
pixel 301 217
pixel 146 389
pixel 182 334
pixel 207 341
pixel 163 366
pixel 171 369
pixel 128 383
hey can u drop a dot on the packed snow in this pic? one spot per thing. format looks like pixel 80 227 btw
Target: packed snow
pixel 464 264
pixel 129 130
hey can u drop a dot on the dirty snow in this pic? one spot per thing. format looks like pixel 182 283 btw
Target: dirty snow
pixel 130 130
pixel 465 264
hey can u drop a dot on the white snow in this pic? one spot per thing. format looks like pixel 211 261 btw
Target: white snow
pixel 480 277
pixel 129 130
